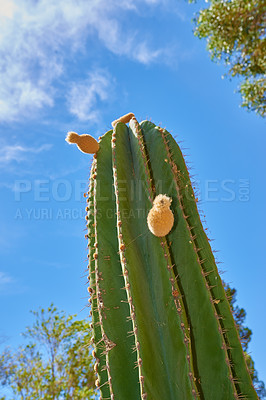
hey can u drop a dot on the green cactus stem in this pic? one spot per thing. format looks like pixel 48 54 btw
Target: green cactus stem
pixel 163 329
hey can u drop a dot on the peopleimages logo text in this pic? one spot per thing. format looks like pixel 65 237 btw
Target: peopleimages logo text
pixel 62 199
pixel 64 190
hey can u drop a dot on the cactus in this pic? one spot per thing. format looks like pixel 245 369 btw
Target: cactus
pixel 162 324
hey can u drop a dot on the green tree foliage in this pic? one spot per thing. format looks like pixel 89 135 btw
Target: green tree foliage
pixel 245 337
pixel 55 364
pixel 235 32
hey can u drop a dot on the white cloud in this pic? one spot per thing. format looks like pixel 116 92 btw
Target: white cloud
pixel 38 37
pixel 7 9
pixel 84 95
pixel 5 281
pixel 145 55
pixel 9 285
pixel 19 153
pixel 4 278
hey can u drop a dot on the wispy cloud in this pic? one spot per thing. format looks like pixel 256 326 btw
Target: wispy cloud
pixel 52 264
pixel 10 286
pixel 5 281
pixel 38 37
pixel 9 153
pixel 84 95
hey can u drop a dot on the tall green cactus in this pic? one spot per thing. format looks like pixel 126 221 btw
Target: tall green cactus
pixel 163 329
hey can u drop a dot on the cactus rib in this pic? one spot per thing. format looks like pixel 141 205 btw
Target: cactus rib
pixel 108 344
pixel 100 359
pixel 125 271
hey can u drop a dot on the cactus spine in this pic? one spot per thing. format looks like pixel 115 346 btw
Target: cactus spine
pixel 162 324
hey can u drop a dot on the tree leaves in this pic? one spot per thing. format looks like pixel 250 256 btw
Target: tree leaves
pixel 55 364
pixel 235 32
pixel 245 337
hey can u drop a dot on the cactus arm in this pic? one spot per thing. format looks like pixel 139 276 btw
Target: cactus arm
pixel 162 352
pixel 113 310
pixel 163 327
pixel 196 270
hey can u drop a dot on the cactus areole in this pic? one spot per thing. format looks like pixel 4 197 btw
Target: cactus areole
pixel 162 325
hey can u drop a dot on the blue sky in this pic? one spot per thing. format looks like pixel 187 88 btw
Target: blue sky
pixel 78 65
